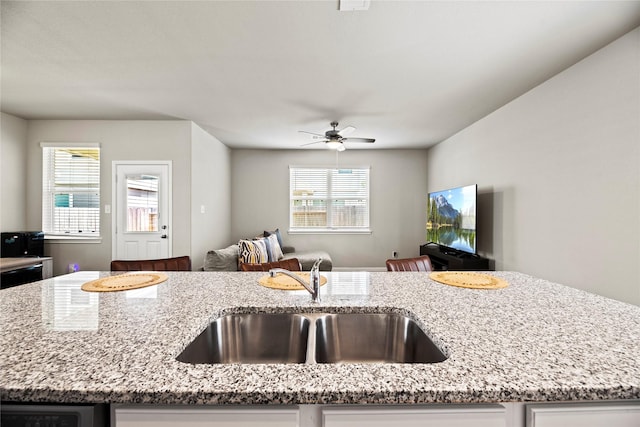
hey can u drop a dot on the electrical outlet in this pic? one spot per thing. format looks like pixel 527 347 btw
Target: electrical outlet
pixel 394 254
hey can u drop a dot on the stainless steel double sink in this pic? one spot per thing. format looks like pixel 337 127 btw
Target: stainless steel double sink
pixel 312 338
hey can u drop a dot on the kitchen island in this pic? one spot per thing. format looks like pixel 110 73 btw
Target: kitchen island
pixel 534 341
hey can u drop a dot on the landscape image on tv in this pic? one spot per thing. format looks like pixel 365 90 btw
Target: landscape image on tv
pixel 451 218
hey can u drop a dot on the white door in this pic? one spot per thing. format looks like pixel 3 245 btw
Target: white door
pixel 142 206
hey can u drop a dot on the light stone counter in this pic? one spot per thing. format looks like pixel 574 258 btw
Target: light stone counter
pixel 533 341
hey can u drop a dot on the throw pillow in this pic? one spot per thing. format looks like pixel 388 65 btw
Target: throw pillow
pixel 222 259
pixel 274 252
pixel 252 252
pixel 277 233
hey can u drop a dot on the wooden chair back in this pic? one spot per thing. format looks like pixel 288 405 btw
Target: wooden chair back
pixel 421 263
pixel 181 263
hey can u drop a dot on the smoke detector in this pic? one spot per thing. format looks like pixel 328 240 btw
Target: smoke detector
pixel 351 5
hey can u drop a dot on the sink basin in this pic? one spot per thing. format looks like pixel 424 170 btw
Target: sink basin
pixel 373 338
pixel 312 338
pixel 251 338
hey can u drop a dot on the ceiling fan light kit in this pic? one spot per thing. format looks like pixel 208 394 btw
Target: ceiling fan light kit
pixel 334 145
pixel 335 139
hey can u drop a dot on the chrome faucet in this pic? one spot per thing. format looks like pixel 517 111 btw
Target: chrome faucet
pixel 314 279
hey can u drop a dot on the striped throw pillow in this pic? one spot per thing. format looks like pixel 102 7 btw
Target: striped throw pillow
pixel 252 252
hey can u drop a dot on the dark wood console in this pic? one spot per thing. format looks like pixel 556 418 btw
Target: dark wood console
pixel 450 259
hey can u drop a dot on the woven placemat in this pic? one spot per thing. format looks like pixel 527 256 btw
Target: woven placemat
pixel 124 282
pixel 284 282
pixel 467 279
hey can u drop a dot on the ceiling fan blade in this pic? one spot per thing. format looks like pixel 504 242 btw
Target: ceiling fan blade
pixel 346 131
pixel 310 143
pixel 315 135
pixel 359 140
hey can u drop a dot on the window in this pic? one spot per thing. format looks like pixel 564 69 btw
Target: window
pixel 328 200
pixel 71 190
pixel 142 203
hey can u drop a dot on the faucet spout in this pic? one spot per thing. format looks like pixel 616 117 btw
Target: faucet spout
pixel 313 287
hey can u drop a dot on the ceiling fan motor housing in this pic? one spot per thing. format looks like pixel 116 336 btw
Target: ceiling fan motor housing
pixel 333 134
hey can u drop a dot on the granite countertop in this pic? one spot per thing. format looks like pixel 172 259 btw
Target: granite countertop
pixel 532 341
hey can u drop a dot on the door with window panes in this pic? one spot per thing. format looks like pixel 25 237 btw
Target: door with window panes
pixel 142 210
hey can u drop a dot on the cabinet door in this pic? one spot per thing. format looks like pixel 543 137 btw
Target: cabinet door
pixel 132 416
pixel 584 415
pixel 436 415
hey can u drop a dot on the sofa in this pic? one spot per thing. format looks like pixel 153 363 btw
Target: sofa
pixel 307 259
pixel 229 258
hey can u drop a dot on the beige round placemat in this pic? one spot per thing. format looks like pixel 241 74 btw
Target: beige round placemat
pixel 284 282
pixel 466 279
pixel 124 282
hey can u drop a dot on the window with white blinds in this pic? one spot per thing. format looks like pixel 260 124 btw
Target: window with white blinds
pixel 71 190
pixel 324 199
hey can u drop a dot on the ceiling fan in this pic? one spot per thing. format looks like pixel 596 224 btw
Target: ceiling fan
pixel 334 138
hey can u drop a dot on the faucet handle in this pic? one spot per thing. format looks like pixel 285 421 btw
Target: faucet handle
pixel 316 265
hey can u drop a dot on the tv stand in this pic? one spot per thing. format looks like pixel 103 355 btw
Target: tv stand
pixel 449 259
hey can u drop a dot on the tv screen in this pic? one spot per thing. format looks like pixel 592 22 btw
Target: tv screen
pixel 451 218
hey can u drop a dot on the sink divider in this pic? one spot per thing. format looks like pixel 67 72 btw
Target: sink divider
pixel 311 336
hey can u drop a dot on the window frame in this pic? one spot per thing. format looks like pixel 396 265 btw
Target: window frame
pixel 328 199
pixel 48 188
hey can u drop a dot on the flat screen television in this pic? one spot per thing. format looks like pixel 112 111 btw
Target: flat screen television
pixel 451 218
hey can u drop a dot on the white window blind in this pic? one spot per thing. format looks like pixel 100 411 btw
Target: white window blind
pixel 71 190
pixel 324 199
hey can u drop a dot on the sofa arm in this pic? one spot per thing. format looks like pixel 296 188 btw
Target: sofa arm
pixel 288 249
pixel 222 259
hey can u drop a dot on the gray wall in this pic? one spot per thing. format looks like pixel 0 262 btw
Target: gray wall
pixel 120 140
pixel 197 157
pixel 211 191
pixel 13 173
pixel 260 201
pixel 559 175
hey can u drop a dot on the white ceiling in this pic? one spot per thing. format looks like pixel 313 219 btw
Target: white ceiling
pixel 409 74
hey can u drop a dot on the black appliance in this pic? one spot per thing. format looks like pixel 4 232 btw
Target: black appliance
pixel 60 415
pixel 20 276
pixel 16 244
pixel 21 244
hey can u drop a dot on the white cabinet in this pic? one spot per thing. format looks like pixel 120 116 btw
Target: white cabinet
pixel 47 268
pixel 596 414
pixel 206 416
pixel 408 416
pixel 506 414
